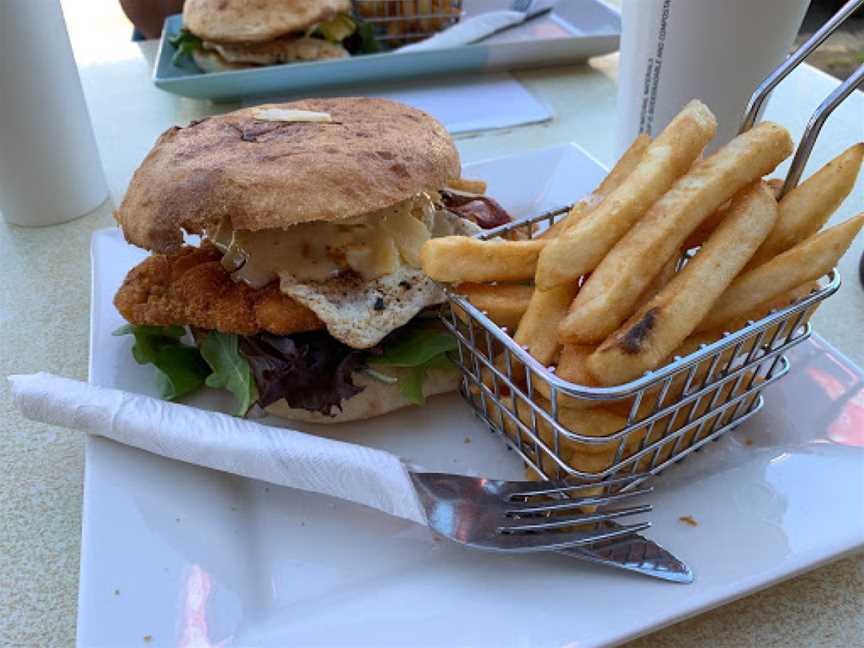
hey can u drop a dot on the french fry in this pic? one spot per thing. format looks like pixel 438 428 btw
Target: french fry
pixel 590 423
pixel 662 324
pixel 760 311
pixel 458 259
pixel 612 291
pixel 591 458
pixel 504 304
pixel 597 422
pixel 703 231
pixel 516 374
pixel 622 169
pixel 572 358
pixel 805 262
pixel 579 249
pixel 692 344
pixel 805 209
pixel 571 367
pixel 469 186
pixel 701 234
pixel 425 8
pixel 625 165
pixel 723 394
pixel 538 329
pixel 776 185
pixel 594 458
pixel 664 427
pixel 591 463
pixel 658 283
pixel 577 212
pixel 700 337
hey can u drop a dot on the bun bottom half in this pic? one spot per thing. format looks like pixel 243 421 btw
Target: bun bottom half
pixel 209 61
pixel 376 398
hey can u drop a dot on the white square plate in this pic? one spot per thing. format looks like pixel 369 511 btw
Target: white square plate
pixel 193 557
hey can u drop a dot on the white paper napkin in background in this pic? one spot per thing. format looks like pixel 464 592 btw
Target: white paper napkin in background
pixel 463 104
pixel 351 472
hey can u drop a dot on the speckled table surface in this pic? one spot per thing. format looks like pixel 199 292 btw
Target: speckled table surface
pixel 44 311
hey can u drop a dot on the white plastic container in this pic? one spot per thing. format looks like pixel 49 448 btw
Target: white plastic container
pixel 49 166
pixel 717 51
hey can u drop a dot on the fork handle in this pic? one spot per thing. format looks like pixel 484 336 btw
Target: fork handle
pixel 468 31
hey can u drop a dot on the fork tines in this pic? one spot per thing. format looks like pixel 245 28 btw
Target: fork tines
pixel 550 523
pixel 543 539
pixel 561 517
pixel 568 504
pixel 564 486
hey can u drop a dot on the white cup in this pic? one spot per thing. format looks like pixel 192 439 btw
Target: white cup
pixel 49 166
pixel 717 51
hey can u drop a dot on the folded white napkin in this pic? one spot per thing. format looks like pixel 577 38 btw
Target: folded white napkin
pixel 286 457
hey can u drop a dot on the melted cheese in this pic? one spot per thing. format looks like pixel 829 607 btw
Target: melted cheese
pixel 385 287
pixel 372 246
pixel 360 313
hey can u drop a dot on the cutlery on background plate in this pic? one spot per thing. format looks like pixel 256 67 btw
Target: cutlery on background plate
pixel 484 25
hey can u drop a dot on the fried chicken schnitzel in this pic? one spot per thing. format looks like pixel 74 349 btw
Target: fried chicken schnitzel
pixel 192 288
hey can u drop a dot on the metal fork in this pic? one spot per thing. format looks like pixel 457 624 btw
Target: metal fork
pixel 521 517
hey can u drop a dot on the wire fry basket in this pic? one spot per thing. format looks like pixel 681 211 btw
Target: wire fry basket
pixel 406 21
pixel 564 430
pixel 561 429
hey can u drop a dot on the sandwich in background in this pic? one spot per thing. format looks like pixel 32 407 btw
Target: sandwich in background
pixel 221 35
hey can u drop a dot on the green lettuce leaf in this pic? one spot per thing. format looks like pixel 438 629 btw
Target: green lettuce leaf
pixel 337 29
pixel 411 386
pixel 419 350
pixel 231 371
pixel 186 43
pixel 356 35
pixel 180 369
pixel 362 40
pixel 414 347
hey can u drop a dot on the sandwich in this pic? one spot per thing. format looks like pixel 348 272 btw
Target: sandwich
pixel 222 35
pixel 303 294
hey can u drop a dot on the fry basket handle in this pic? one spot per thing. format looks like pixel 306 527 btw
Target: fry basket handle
pixel 757 100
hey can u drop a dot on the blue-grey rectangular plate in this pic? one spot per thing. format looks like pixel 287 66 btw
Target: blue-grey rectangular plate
pixel 575 30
